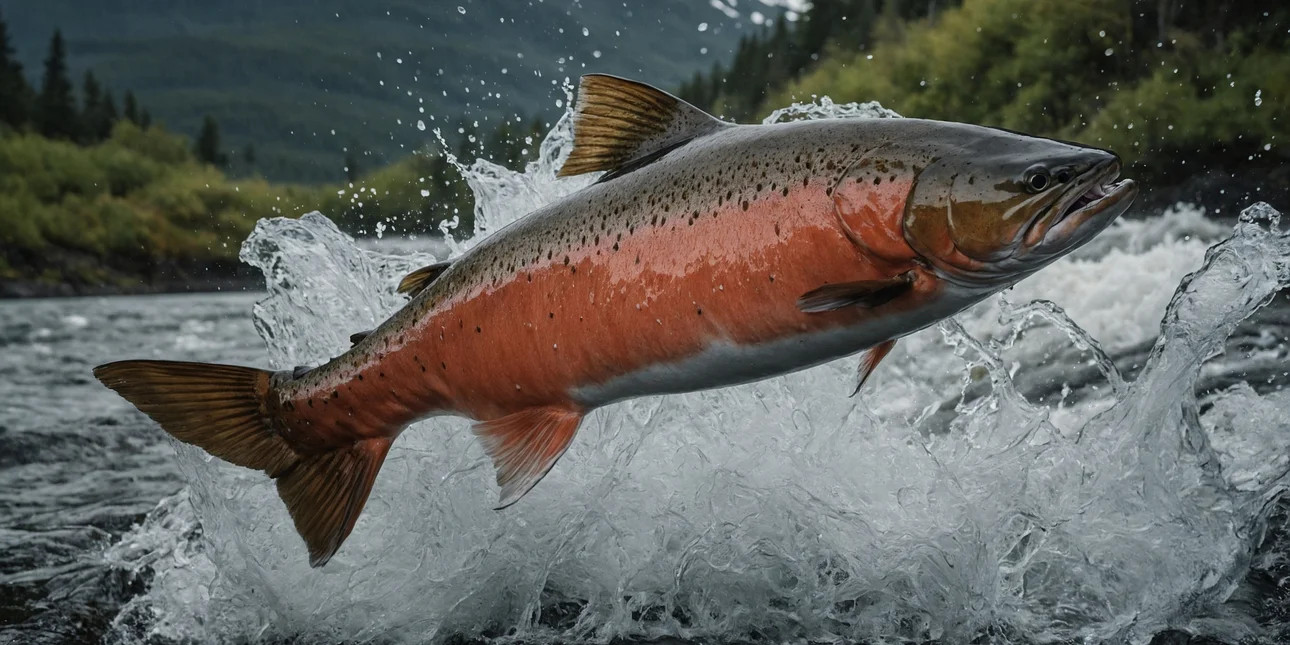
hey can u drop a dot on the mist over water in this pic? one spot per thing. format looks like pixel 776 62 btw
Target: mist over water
pixel 998 476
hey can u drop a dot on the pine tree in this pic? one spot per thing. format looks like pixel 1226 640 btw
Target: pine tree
pixel 56 107
pixel 131 108
pixel 145 119
pixel 104 118
pixel 248 155
pixel 351 164
pixel 91 109
pixel 15 93
pixel 110 116
pixel 207 147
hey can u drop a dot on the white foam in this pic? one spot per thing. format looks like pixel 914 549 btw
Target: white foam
pixel 777 511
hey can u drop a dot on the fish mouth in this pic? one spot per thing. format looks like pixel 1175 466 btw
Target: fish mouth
pixel 1082 213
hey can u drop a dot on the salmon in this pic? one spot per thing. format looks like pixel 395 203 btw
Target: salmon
pixel 708 254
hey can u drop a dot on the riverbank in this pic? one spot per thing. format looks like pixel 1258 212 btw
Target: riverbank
pixel 1221 193
pixel 169 278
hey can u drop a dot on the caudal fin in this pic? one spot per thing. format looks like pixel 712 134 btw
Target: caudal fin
pixel 224 409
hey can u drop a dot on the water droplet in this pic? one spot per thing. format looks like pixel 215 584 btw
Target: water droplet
pixel 461 10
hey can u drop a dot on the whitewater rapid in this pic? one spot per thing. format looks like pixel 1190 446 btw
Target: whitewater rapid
pixel 940 503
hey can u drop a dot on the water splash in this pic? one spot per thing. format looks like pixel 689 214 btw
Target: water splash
pixel 781 510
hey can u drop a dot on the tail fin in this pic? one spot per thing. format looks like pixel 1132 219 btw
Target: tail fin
pixel 224 409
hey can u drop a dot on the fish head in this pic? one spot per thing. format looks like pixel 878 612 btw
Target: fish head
pixel 988 207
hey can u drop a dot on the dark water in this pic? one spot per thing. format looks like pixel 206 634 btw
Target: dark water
pixel 78 466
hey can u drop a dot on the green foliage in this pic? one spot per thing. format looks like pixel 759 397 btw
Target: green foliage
pixel 1128 75
pixel 284 74
pixel 768 60
pixel 122 207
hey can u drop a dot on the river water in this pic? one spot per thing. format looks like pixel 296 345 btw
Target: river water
pixel 1097 455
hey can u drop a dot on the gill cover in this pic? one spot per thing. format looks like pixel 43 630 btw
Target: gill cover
pixel 982 191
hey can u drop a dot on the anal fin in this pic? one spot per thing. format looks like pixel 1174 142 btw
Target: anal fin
pixel 525 445
pixel 864 293
pixel 416 282
pixel 870 359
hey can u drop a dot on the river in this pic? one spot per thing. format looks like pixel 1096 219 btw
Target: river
pixel 1099 454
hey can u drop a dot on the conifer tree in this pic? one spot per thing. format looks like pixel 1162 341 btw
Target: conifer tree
pixel 105 118
pixel 351 164
pixel 91 108
pixel 15 93
pixel 131 108
pixel 207 147
pixel 56 107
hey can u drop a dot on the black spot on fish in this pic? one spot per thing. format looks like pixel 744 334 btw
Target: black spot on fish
pixel 478 330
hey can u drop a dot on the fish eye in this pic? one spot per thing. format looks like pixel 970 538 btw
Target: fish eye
pixel 1037 180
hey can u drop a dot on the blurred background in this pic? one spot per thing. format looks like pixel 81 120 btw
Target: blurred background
pixel 141 139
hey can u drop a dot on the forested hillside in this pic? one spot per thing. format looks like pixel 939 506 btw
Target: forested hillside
pixel 1174 86
pixel 303 80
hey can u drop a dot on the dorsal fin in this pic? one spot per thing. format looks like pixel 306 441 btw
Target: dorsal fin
pixel 416 282
pixel 620 122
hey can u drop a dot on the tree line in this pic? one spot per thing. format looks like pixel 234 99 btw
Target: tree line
pixel 1174 86
pixel 770 58
pixel 52 110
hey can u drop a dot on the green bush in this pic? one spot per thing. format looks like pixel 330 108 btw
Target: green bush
pixel 1082 71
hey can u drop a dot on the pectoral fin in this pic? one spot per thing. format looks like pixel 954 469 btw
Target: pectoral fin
pixel 870 359
pixel 525 445
pixel 413 283
pixel 865 293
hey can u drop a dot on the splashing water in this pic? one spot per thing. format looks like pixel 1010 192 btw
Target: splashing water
pixel 942 503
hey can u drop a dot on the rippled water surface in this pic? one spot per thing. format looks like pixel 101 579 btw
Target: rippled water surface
pixel 1097 455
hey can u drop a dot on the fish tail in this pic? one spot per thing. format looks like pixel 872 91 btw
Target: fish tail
pixel 229 412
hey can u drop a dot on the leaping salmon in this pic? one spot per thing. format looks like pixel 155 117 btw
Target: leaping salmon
pixel 708 254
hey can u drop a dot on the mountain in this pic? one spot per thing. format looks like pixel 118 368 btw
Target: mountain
pixel 302 80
